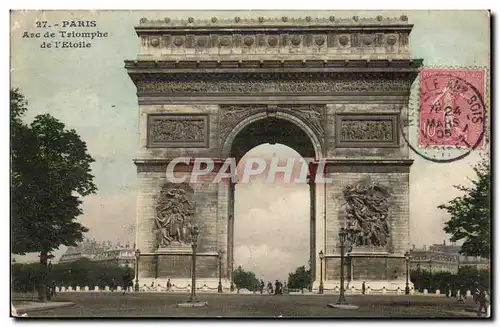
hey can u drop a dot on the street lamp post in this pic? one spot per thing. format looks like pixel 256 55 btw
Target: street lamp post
pixel 69 277
pixel 232 272
pixel 418 277
pixel 137 255
pixel 430 274
pixel 193 302
pixel 194 237
pixel 49 281
pixel 342 237
pixel 321 257
pixel 156 266
pixel 407 260
pixel 219 287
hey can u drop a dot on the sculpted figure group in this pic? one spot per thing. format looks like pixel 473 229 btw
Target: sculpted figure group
pixel 174 213
pixel 367 211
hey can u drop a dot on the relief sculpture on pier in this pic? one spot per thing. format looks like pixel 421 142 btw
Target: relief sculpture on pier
pixel 174 215
pixel 367 214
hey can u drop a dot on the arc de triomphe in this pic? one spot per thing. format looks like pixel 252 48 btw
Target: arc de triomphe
pixel 332 89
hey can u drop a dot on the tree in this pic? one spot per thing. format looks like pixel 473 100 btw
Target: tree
pixel 51 171
pixel 471 214
pixel 245 279
pixel 83 272
pixel 300 279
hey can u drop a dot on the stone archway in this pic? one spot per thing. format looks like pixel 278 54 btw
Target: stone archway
pixel 299 118
pixel 279 127
pixel 344 83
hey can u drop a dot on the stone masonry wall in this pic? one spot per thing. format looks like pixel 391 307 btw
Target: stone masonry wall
pixel 397 183
pixel 205 197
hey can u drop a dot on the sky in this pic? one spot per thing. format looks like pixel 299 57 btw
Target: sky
pixel 89 90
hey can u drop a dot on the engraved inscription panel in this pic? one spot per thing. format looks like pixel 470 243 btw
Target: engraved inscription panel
pixel 367 131
pixel 177 131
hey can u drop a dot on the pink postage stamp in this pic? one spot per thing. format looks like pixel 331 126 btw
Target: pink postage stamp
pixel 452 108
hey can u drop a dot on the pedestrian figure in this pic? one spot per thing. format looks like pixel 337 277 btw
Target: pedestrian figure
pixel 460 298
pixel 269 288
pixel 363 288
pixel 131 284
pixel 169 285
pixel 279 288
pixel 53 288
pixel 276 287
pixel 113 284
pixel 483 299
pixel 261 286
pixel 126 282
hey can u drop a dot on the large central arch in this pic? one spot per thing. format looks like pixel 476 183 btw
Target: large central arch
pixel 341 87
pixel 263 128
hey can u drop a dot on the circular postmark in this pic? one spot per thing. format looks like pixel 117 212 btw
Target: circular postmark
pixel 452 114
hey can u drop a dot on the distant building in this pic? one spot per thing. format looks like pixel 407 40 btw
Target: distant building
pixel 100 252
pixel 443 257
pixel 121 256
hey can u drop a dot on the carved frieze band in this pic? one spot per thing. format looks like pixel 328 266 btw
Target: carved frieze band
pixel 230 115
pixel 177 131
pixel 367 130
pixel 268 83
pixel 390 42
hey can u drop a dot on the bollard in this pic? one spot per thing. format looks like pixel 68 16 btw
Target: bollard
pixel 384 291
pixel 425 291
pixel 86 288
pixel 96 288
pixel 438 292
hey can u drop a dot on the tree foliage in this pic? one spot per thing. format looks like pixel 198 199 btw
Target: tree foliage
pixel 300 279
pixel 467 278
pixel 245 279
pixel 50 170
pixel 471 214
pixel 81 273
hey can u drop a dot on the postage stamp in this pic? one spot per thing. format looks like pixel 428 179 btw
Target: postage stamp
pixel 243 163
pixel 452 108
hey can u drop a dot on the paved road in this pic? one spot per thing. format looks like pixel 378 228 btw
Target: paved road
pixel 226 305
